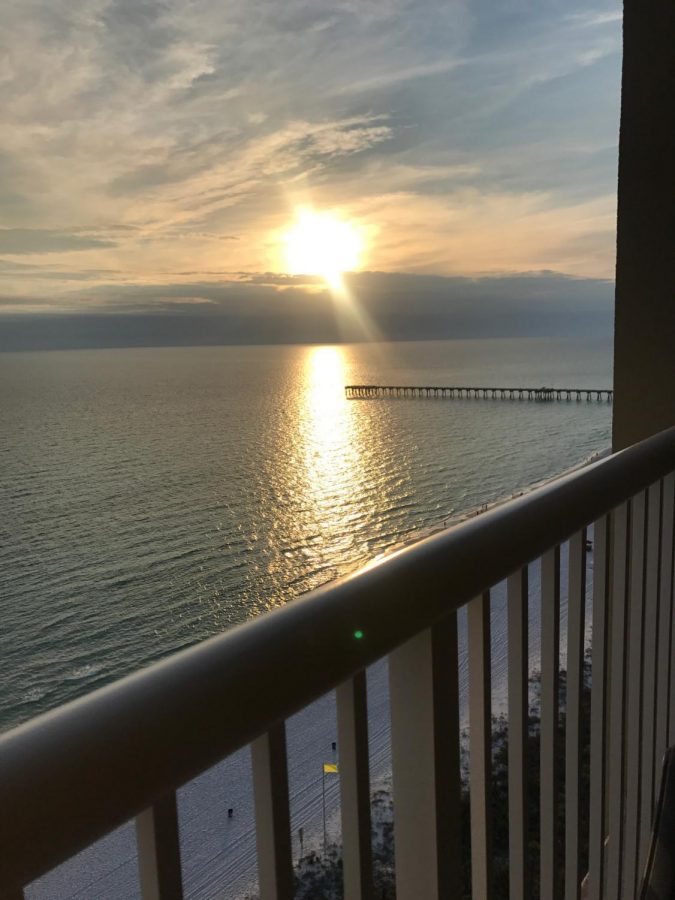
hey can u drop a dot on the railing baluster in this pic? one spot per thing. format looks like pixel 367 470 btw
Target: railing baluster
pixel 665 619
pixel 635 633
pixel 352 718
pixel 653 547
pixel 596 836
pixel 576 612
pixel 480 744
pixel 518 672
pixel 425 763
pixel 159 850
pixel 448 778
pixel 273 829
pixel 550 665
pixel 617 663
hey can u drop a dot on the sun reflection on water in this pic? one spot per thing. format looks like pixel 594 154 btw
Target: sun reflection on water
pixel 332 445
pixel 330 455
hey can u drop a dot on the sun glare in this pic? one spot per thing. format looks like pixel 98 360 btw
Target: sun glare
pixel 322 244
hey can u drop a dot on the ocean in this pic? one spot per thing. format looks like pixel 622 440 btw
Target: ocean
pixel 153 497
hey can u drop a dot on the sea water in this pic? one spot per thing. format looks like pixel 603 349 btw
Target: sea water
pixel 153 497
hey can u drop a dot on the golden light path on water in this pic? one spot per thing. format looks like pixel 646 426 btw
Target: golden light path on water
pixel 334 452
pixel 330 513
pixel 327 482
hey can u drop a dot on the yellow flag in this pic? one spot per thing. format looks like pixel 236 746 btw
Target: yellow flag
pixel 330 767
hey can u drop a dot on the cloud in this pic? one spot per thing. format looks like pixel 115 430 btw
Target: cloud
pixel 146 132
pixel 12 304
pixel 47 273
pixel 397 76
pixel 267 310
pixel 40 240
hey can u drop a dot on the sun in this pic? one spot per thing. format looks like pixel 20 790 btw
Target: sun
pixel 322 243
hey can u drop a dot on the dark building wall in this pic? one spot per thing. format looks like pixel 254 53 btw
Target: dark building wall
pixel 644 344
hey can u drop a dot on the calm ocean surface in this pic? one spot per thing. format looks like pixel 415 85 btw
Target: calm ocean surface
pixel 151 498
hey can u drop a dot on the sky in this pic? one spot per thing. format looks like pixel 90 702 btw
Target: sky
pixel 153 154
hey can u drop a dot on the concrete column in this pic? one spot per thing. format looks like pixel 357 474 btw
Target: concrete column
pixel 644 335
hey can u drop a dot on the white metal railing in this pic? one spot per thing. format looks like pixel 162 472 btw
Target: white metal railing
pixel 72 775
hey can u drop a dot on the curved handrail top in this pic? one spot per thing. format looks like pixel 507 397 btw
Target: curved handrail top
pixel 73 774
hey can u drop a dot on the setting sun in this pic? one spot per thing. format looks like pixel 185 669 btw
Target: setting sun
pixel 322 244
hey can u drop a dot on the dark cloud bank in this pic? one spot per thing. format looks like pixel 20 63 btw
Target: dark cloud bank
pixel 277 309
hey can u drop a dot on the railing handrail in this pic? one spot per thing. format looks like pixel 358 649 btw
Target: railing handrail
pixel 72 775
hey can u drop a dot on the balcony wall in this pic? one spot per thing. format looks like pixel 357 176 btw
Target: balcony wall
pixel 644 349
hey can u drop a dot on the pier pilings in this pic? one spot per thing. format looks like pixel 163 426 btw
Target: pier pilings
pixel 466 392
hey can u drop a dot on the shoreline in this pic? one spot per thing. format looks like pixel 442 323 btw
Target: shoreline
pixel 464 516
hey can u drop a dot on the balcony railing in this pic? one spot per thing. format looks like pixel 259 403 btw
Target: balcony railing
pixel 75 774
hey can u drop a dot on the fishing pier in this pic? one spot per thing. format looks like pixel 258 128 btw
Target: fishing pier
pixel 546 394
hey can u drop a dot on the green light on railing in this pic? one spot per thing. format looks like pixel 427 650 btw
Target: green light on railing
pixel 358 634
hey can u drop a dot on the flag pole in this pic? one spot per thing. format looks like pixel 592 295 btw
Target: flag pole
pixel 323 806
